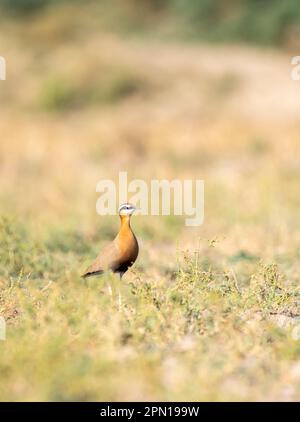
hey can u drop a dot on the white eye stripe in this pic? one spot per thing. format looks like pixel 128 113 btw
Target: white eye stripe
pixel 126 207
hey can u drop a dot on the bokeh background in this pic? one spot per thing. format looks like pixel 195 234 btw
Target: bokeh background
pixel 160 89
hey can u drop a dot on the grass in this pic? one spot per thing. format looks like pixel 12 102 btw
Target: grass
pixel 209 312
pixel 201 327
pixel 60 93
pixel 271 23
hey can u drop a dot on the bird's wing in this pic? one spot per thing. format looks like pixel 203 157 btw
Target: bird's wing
pixel 107 259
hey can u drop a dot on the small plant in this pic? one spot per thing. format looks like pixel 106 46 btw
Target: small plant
pixel 58 94
pixel 115 85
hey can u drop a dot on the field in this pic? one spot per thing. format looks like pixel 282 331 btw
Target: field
pixel 209 313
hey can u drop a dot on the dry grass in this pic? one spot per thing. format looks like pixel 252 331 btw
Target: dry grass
pixel 78 108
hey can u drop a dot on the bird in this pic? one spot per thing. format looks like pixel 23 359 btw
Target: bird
pixel 120 254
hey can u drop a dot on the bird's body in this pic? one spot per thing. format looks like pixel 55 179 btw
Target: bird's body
pixel 122 252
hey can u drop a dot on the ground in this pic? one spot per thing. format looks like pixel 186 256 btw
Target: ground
pixel 209 313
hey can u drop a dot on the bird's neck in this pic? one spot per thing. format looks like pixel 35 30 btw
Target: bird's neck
pixel 125 223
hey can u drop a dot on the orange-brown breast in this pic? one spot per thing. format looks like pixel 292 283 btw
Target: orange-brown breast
pixel 127 242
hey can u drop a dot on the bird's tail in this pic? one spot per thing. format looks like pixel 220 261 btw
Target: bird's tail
pixel 92 273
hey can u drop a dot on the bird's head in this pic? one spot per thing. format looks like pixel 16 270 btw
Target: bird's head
pixel 126 210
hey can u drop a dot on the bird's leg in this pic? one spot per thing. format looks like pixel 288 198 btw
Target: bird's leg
pixel 119 300
pixel 119 293
pixel 109 286
pixel 109 289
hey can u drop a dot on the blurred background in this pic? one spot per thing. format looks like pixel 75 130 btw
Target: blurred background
pixel 160 89
pixel 196 89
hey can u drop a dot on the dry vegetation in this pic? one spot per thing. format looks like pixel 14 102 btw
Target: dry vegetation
pixel 80 105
